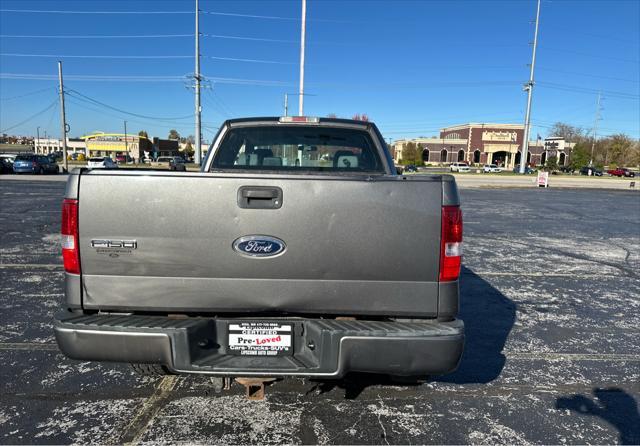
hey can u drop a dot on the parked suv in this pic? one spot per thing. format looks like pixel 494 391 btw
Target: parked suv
pixel 459 167
pixel 39 164
pixel 171 162
pixel 594 171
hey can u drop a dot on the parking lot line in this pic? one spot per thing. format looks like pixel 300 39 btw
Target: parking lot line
pixel 28 346
pixel 138 426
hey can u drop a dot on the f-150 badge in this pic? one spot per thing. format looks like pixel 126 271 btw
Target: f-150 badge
pixel 114 248
pixel 258 246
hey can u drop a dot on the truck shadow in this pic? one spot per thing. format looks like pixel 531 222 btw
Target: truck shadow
pixel 613 405
pixel 488 316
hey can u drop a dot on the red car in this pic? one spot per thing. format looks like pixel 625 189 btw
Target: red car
pixel 621 172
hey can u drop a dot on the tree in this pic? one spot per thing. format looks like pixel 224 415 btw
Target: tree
pixel 569 132
pixel 360 117
pixel 411 154
pixel 188 148
pixel 618 149
pixel 551 164
pixel 580 155
pixel 173 134
pixel 143 133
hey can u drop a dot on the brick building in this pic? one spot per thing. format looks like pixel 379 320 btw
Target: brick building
pixel 485 143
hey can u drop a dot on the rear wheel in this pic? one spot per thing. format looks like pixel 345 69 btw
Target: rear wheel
pixel 150 369
pixel 41 171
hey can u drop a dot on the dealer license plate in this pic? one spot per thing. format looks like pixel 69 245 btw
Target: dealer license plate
pixel 260 338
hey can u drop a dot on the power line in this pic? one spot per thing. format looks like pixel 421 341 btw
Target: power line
pixel 576 89
pixel 26 94
pixel 42 11
pixel 92 56
pixel 255 16
pixel 83 77
pixel 55 101
pixel 575 73
pixel 94 36
pixel 74 93
pixel 254 39
pixel 562 50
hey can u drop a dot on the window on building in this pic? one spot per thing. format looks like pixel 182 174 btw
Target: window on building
pixel 425 155
pixel 476 156
pixel 562 158
pixel 443 156
pixel 460 155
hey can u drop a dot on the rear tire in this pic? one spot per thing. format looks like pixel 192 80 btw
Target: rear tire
pixel 41 171
pixel 150 369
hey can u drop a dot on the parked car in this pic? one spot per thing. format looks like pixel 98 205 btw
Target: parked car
pixel 38 164
pixel 256 279
pixel 9 156
pixel 527 170
pixel 491 168
pixel 621 172
pixel 124 159
pixel 6 166
pixel 459 167
pixel 594 171
pixel 411 168
pixel 101 162
pixel 171 163
pixel 567 169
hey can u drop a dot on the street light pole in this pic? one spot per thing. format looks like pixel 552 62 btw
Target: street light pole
pixel 529 88
pixel 63 119
pixel 126 143
pixel 37 138
pixel 286 104
pixel 198 152
pixel 302 40
pixel 595 129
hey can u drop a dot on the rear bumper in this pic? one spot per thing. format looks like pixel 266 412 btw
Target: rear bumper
pixel 322 347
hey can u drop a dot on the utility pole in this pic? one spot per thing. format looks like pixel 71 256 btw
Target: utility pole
pixel 529 89
pixel 63 119
pixel 302 39
pixel 595 128
pixel 198 153
pixel 126 143
pixel 37 139
pixel 286 104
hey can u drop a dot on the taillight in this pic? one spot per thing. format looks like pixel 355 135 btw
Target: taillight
pixel 451 243
pixel 70 250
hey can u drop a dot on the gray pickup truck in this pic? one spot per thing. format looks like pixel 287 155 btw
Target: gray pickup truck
pixel 297 250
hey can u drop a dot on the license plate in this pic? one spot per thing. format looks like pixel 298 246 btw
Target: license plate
pixel 260 338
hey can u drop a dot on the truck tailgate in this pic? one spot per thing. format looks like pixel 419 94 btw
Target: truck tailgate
pixel 354 245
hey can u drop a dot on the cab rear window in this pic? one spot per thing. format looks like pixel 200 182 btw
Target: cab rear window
pixel 296 148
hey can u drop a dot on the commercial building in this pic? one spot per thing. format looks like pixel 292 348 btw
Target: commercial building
pixel 44 146
pixel 485 143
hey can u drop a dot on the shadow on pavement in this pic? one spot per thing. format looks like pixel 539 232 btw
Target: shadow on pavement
pixel 488 319
pixel 488 316
pixel 613 405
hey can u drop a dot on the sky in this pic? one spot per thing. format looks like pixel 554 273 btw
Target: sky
pixel 412 66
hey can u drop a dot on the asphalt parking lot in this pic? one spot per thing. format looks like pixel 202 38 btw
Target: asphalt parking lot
pixel 550 296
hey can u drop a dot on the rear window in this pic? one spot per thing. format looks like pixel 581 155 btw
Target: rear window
pixel 25 158
pixel 295 148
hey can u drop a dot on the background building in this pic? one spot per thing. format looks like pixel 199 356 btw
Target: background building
pixel 485 143
pixel 45 146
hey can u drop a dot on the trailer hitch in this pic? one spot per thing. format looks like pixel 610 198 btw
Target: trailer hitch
pixel 254 387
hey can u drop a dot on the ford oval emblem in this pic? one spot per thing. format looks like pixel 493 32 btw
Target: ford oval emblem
pixel 258 246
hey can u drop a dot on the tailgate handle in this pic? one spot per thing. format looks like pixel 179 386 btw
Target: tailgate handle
pixel 259 197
